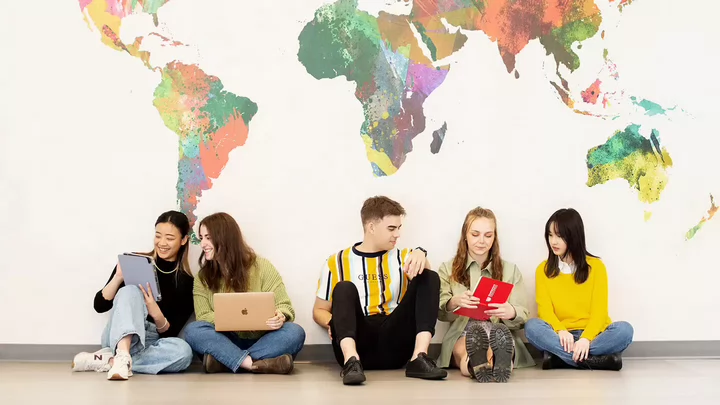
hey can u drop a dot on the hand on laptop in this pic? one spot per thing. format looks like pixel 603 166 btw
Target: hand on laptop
pixel 277 321
pixel 502 311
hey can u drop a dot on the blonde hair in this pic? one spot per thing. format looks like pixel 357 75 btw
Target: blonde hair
pixel 459 270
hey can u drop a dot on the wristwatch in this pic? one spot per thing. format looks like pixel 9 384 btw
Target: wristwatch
pixel 422 250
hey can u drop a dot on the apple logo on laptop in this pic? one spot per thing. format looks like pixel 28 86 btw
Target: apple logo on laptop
pixel 244 311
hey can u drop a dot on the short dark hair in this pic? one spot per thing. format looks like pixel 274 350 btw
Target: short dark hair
pixel 379 207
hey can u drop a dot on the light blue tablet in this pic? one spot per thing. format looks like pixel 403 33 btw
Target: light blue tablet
pixel 139 270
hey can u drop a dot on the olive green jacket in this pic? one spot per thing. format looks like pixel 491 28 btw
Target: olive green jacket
pixel 518 299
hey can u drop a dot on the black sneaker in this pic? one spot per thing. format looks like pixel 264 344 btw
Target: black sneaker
pixel 424 367
pixel 547 361
pixel 612 362
pixel 352 373
pixel 477 344
pixel 551 361
pixel 503 347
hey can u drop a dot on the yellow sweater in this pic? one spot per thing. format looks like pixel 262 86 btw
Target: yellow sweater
pixel 566 305
pixel 263 278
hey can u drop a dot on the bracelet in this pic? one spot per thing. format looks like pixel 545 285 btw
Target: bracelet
pixel 422 250
pixel 164 325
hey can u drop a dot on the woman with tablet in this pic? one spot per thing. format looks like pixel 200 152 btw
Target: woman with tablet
pixel 486 350
pixel 141 334
pixel 574 328
pixel 229 265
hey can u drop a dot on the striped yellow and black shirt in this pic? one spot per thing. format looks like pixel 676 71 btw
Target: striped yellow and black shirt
pixel 379 278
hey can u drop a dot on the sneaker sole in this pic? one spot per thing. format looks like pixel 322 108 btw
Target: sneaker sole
pixel 354 380
pixel 501 343
pixel 477 344
pixel 117 377
pixel 434 377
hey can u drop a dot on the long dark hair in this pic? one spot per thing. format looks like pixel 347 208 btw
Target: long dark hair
pixel 179 221
pixel 459 271
pixel 232 257
pixel 568 225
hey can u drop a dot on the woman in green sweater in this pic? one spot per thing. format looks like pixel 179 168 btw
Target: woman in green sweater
pixel 228 264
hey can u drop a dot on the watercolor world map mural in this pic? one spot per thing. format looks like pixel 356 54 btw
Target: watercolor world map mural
pixel 396 60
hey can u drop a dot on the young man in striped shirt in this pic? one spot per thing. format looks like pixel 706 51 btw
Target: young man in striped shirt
pixel 379 303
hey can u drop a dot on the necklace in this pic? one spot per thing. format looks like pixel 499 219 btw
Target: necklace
pixel 166 272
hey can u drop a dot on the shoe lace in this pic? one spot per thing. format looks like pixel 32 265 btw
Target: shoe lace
pixel 353 366
pixel 428 361
pixel 587 365
pixel 123 358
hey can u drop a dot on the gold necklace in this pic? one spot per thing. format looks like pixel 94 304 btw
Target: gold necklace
pixel 166 272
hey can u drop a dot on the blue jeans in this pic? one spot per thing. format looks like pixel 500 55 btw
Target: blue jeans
pixel 150 354
pixel 616 338
pixel 230 350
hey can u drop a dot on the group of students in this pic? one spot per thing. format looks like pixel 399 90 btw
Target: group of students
pixel 379 304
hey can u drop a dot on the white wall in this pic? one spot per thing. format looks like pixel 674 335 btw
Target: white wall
pixel 86 164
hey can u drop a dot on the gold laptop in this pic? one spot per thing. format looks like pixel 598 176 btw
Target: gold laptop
pixel 242 312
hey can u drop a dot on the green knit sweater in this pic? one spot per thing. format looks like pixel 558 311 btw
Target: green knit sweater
pixel 263 278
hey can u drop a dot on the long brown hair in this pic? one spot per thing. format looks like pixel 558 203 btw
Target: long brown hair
pixel 232 257
pixel 459 269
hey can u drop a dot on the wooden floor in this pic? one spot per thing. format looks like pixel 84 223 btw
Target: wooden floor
pixel 678 382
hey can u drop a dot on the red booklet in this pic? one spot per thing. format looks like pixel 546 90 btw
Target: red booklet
pixel 489 291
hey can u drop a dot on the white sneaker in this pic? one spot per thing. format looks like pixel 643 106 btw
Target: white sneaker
pixel 98 361
pixel 121 368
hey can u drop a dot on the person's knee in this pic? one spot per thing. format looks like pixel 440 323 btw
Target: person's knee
pixel 430 277
pixel 128 293
pixel 185 355
pixel 532 324
pixel 343 288
pixel 344 292
pixel 532 328
pixel 295 335
pixel 625 329
pixel 194 330
pixel 182 354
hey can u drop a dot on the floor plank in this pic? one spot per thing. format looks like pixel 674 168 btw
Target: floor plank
pixel 684 382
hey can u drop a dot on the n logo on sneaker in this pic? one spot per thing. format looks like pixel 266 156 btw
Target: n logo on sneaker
pixel 98 357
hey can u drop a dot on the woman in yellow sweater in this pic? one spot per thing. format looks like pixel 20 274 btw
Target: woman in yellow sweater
pixel 228 264
pixel 572 295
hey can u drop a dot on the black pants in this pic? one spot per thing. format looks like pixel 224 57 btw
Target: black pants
pixel 385 342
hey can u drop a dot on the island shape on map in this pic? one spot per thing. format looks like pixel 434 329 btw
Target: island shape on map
pixel 628 155
pixel 710 214
pixel 209 121
pixel 396 61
